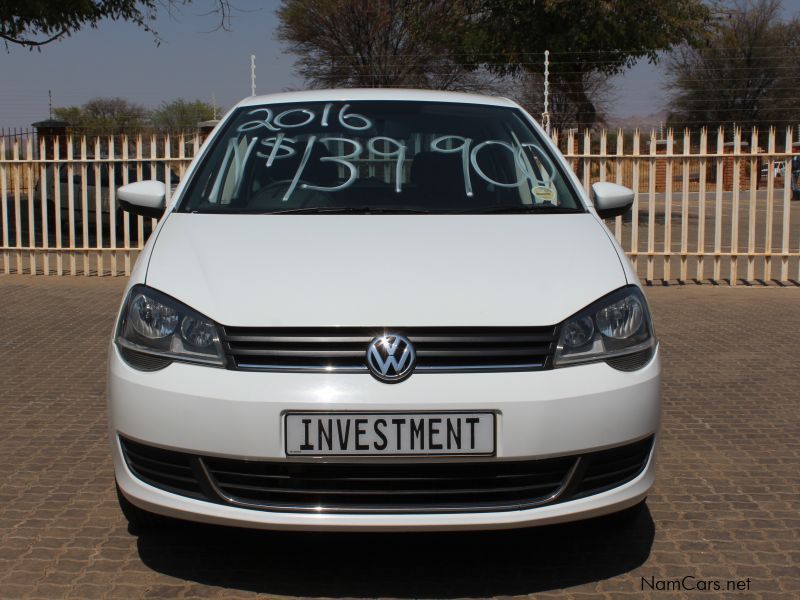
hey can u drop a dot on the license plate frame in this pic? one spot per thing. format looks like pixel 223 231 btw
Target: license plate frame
pixel 485 451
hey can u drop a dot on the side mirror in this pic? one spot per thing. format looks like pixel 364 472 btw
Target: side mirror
pixel 610 199
pixel 144 198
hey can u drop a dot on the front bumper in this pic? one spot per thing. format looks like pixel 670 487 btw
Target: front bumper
pixel 216 412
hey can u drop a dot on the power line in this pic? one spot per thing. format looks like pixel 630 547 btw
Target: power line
pixel 538 54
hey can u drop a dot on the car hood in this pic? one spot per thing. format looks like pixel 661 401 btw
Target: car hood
pixel 384 270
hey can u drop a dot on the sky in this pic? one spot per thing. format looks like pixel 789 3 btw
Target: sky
pixel 194 61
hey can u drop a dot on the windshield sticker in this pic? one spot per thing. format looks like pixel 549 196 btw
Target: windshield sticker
pixel 544 194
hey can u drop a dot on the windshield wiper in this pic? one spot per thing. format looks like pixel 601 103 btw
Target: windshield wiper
pixel 348 210
pixel 518 210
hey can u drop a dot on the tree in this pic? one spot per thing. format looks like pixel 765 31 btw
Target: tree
pixel 376 43
pixel 35 23
pixel 586 39
pixel 182 115
pixel 104 116
pixel 747 73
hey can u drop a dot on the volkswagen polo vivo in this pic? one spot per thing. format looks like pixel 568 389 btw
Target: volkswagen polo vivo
pixel 381 310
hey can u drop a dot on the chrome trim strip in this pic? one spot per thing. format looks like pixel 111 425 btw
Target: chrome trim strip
pixel 302 368
pixel 227 498
pixel 482 368
pixel 363 369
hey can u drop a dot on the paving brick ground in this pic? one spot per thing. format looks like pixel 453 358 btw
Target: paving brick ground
pixel 725 506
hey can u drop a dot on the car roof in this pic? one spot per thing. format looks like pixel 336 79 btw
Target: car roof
pixel 347 94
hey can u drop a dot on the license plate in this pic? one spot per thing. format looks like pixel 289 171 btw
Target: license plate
pixel 390 434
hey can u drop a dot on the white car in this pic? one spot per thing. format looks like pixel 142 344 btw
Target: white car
pixel 381 310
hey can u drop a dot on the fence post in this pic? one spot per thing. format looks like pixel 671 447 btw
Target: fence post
pixel 751 218
pixel 181 155
pixel 57 201
pixel 4 205
pixel 603 154
pixel 167 168
pixel 139 176
pixel 17 205
pixel 787 207
pixel 112 205
pixel 71 202
pixel 618 179
pixel 701 211
pixel 31 201
pixel 587 162
pixel 684 258
pixel 635 208
pixel 126 219
pixel 651 207
pixel 718 205
pixel 97 204
pixel 43 193
pixel 153 175
pixel 84 206
pixel 735 186
pixel 668 175
pixel 770 192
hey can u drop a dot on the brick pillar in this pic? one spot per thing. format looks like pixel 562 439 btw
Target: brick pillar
pixel 48 131
pixel 661 165
pixel 205 127
pixel 795 149
pixel 727 167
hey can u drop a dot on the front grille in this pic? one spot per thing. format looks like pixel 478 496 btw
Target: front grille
pixel 166 469
pixel 442 349
pixel 611 468
pixel 433 485
pixel 387 487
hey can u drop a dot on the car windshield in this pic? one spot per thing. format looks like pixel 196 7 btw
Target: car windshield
pixel 379 157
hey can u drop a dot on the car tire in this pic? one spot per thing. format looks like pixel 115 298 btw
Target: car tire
pixel 138 518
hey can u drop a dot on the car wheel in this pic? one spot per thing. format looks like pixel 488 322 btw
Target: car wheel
pixel 139 519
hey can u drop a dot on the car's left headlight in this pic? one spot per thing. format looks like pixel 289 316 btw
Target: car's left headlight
pixel 161 327
pixel 617 329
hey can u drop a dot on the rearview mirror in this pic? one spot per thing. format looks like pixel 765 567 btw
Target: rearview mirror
pixel 144 198
pixel 610 199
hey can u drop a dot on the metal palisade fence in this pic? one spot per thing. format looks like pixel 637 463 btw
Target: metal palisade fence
pixel 58 203
pixel 709 206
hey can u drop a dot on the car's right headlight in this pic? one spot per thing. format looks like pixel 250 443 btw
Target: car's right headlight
pixel 617 329
pixel 156 329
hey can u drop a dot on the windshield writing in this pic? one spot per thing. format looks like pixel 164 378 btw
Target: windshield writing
pixel 432 157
